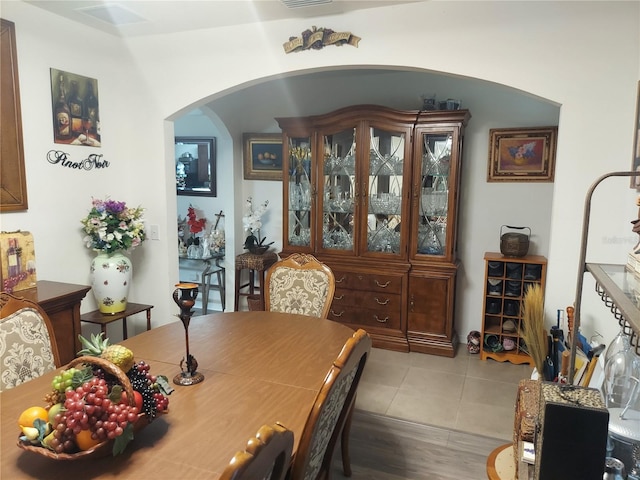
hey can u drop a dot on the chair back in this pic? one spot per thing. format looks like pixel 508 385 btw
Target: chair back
pixel 266 457
pixel 330 410
pixel 299 284
pixel 27 342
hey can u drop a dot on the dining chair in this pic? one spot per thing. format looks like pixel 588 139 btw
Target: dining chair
pixel 266 456
pixel 299 284
pixel 330 416
pixel 27 341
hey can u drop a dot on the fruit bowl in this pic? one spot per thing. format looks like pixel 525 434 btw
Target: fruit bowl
pixel 106 447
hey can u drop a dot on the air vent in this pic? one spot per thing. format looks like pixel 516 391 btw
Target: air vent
pixel 304 3
pixel 113 14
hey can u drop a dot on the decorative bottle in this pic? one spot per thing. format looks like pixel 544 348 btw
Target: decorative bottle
pixel 13 258
pixel 62 114
pixel 76 107
pixel 91 108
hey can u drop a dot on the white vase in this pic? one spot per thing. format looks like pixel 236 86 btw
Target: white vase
pixel 110 280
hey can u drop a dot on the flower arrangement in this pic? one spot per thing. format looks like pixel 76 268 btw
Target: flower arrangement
pixel 111 226
pixel 252 221
pixel 195 225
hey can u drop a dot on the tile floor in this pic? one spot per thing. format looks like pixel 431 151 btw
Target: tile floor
pixel 461 393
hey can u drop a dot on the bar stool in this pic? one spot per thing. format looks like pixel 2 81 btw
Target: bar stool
pixel 254 263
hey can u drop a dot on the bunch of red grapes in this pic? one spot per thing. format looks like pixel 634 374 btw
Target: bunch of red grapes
pixel 88 407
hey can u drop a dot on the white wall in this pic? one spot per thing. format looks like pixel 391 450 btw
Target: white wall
pixel 584 56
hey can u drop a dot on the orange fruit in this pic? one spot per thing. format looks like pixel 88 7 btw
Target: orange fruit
pixel 29 416
pixel 84 440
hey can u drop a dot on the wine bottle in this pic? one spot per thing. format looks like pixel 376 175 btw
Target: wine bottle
pixel 62 114
pixel 13 258
pixel 91 108
pixel 76 106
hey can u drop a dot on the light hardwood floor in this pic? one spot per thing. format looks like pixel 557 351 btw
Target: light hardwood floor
pixel 428 417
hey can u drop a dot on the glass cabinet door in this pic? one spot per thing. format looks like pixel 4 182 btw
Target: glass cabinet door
pixel 433 206
pixel 338 194
pixel 385 170
pixel 300 192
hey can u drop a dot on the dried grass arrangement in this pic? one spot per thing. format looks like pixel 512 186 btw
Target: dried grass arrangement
pixel 532 330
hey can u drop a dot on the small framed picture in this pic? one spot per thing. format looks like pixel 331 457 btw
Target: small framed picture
pixel 262 156
pixel 522 154
pixel 635 181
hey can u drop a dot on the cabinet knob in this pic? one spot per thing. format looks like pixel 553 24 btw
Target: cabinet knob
pixel 381 303
pixel 341 279
pixel 338 298
pixel 337 314
pixel 381 320
pixel 411 303
pixel 385 285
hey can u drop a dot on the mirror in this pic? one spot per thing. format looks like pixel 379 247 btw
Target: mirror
pixel 196 166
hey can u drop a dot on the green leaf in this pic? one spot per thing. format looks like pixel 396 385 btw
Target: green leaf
pixel 121 442
pixel 164 385
pixel 42 427
pixel 116 393
pixel 81 376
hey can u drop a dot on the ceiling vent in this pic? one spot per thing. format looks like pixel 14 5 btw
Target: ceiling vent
pixel 304 3
pixel 113 14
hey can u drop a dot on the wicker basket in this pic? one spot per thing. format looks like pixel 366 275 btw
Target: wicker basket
pixel 104 448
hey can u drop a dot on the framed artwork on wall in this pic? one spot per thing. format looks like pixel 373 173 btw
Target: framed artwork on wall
pixel 262 156
pixel 76 111
pixel 635 182
pixel 522 154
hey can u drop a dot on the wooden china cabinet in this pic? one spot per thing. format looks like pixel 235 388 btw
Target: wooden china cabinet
pixel 373 193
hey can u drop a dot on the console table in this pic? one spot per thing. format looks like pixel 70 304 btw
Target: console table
pixel 104 319
pixel 205 277
pixel 61 302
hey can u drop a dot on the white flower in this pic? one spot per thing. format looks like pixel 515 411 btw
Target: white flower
pixel 252 220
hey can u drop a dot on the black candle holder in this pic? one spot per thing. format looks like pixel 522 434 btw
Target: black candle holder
pixel 185 297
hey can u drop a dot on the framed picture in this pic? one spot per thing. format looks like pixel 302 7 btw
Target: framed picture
pixel 262 156
pixel 635 181
pixel 76 112
pixel 522 154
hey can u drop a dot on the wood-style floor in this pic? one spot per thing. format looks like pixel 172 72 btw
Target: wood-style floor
pixel 387 448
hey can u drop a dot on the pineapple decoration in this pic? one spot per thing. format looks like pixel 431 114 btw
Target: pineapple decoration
pixel 100 347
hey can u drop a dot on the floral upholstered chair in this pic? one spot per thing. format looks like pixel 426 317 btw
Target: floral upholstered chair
pixel 27 343
pixel 299 284
pixel 266 456
pixel 330 416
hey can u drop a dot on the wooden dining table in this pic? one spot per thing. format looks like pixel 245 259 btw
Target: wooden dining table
pixel 259 368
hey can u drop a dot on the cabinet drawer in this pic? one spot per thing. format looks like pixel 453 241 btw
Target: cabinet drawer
pixel 372 282
pixel 382 301
pixel 378 318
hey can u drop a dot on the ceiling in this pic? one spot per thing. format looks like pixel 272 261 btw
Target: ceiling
pixel 131 18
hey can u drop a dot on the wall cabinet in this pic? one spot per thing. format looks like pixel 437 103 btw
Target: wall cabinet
pixel 373 193
pixel 506 282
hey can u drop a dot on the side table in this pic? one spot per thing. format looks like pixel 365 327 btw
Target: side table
pixel 254 263
pixel 103 319
pixel 205 278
